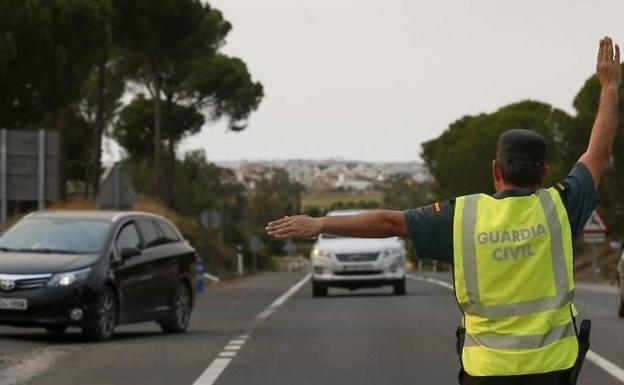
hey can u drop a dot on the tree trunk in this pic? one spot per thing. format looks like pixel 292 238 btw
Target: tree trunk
pixel 61 121
pixel 171 174
pixel 156 187
pixel 98 130
pixel 169 198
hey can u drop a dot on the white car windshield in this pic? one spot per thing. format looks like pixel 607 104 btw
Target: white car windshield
pixel 63 236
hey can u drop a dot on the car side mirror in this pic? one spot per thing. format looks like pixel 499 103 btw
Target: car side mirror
pixel 129 252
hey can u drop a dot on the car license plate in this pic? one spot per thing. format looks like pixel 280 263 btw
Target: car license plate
pixel 13 304
pixel 358 267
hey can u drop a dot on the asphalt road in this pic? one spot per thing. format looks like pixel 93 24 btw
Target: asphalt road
pixel 261 330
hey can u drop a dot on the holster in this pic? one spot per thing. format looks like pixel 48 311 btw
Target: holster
pixel 460 335
pixel 583 340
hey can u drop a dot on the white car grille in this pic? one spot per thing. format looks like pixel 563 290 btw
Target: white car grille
pixel 357 257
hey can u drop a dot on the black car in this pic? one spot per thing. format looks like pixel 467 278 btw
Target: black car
pixel 95 270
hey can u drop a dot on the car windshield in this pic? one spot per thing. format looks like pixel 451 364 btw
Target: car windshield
pixel 64 236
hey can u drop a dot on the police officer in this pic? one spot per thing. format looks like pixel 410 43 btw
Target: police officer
pixel 512 253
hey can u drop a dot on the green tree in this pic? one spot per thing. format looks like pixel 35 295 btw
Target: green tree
pixel 402 192
pixel 47 49
pixel 156 36
pixel 134 128
pixel 469 144
pixel 586 105
pixel 272 196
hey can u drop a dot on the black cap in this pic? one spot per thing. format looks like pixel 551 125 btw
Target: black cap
pixel 521 147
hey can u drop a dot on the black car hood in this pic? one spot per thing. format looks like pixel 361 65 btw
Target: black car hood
pixel 41 263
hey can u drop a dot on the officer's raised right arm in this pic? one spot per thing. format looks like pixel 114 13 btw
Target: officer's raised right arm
pixel 600 145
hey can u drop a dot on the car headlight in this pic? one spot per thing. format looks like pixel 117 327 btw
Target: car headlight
pixel 316 252
pixel 391 251
pixel 69 277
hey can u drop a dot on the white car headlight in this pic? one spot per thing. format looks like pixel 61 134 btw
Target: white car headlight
pixel 391 251
pixel 69 277
pixel 316 252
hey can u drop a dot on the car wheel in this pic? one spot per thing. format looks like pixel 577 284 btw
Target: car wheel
pixel 56 329
pixel 178 320
pixel 399 287
pixel 319 290
pixel 100 325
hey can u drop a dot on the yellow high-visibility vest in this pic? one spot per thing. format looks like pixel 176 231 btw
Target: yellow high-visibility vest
pixel 514 283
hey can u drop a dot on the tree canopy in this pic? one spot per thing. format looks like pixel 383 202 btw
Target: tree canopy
pixel 470 144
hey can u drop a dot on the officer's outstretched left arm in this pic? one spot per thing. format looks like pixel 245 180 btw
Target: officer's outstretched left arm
pixel 371 224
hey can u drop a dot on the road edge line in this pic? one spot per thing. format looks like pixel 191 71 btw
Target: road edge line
pixel 606 365
pixel 593 357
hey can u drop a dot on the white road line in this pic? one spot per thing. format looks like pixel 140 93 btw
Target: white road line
pixel 606 365
pixel 431 280
pixel 218 365
pixel 592 356
pixel 283 298
pixel 211 277
pixel 210 375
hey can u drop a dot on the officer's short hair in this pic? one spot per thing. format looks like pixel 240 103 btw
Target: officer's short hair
pixel 521 155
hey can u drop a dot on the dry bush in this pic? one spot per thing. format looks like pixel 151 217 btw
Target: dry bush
pixel 76 204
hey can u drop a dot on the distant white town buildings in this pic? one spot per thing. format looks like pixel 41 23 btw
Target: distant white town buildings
pixel 329 174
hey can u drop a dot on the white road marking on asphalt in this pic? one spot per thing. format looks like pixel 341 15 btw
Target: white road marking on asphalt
pixel 283 298
pixel 26 369
pixel 431 280
pixel 212 372
pixel 218 365
pixel 211 277
pixel 606 365
pixel 597 288
pixel 592 356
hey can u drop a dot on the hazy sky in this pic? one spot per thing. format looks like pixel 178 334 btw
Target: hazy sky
pixel 372 80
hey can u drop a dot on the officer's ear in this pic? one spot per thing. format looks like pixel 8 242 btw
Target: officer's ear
pixel 497 174
pixel 543 176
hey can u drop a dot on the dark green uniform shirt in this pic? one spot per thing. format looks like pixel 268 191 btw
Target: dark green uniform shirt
pixel 431 227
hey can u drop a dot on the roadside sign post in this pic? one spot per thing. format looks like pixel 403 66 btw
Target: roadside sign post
pixel 239 260
pixel 254 246
pixel 212 220
pixel 28 168
pixel 594 232
pixel 117 191
pixel 290 248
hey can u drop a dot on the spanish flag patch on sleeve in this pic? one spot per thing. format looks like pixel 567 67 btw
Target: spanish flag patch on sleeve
pixel 437 208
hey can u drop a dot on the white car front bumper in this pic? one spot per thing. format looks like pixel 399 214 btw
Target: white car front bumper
pixel 383 271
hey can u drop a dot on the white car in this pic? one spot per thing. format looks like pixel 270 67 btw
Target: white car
pixel 354 263
pixel 620 272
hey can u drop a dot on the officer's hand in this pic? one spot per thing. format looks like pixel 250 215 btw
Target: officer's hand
pixel 608 67
pixel 295 227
